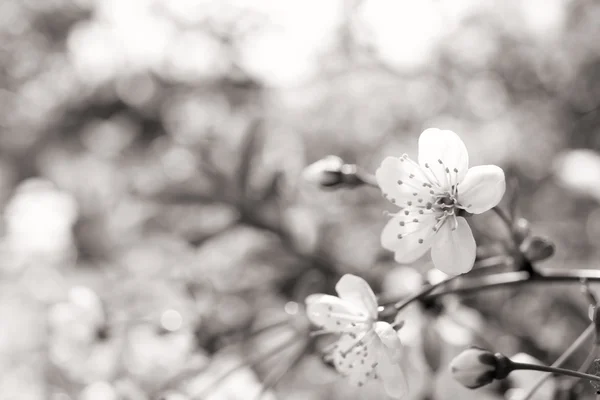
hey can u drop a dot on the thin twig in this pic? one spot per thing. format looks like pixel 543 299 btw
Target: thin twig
pixel 253 361
pixel 589 360
pixel 400 305
pixel 466 284
pixel 517 278
pixel 553 370
pixel 273 379
pixel 586 334
pixel 188 373
pixel 503 216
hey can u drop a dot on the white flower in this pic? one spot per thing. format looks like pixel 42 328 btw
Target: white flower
pixel 367 349
pixel 430 195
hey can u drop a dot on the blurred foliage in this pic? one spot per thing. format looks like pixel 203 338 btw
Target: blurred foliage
pixel 150 162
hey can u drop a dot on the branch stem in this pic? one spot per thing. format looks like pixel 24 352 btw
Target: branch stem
pixel 466 284
pixel 554 370
pixel 516 278
pixel 423 293
pixel 560 360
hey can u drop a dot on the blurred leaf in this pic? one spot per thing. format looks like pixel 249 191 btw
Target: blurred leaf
pixel 201 238
pixel 432 344
pixel 173 197
pixel 251 145
pixel 272 190
pixel 312 281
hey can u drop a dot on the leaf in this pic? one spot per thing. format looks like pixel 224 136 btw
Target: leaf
pixel 171 197
pixel 432 344
pixel 272 190
pixel 251 145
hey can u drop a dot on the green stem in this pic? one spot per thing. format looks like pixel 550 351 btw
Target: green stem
pixel 554 370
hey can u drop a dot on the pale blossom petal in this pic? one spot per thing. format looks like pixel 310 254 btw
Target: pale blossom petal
pixel 392 376
pixel 388 361
pixel 403 182
pixel 357 291
pixel 409 239
pixel 389 337
pixel 387 179
pixel 444 155
pixel 453 250
pixel 482 188
pixel 336 315
pixel 316 297
pixel 356 357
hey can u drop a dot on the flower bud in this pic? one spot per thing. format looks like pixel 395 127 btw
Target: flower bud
pixel 521 229
pixel 327 172
pixel 537 248
pixel 477 367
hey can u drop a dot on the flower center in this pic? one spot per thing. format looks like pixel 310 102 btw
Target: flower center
pixel 446 202
pixel 447 205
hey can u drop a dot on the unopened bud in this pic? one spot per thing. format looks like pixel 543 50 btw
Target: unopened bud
pixel 476 367
pixel 521 229
pixel 327 172
pixel 537 248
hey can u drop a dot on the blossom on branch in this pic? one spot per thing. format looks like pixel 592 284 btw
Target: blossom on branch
pixel 367 349
pixel 430 194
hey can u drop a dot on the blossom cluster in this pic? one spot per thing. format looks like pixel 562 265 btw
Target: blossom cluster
pixel 434 195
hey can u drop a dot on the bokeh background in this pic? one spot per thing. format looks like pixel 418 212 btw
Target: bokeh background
pixel 154 211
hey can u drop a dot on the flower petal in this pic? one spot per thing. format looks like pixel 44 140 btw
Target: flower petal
pixel 314 298
pixel 482 188
pixel 357 291
pixel 357 358
pixel 387 179
pixel 444 155
pixel 392 375
pixel 409 239
pixel 389 337
pixel 403 182
pixel 335 315
pixel 453 250
pixel 388 368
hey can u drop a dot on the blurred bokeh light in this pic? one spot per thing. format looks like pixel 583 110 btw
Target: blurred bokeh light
pixel 151 154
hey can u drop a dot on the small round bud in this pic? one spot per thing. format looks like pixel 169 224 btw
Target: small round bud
pixel 537 248
pixel 521 229
pixel 327 172
pixel 477 367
